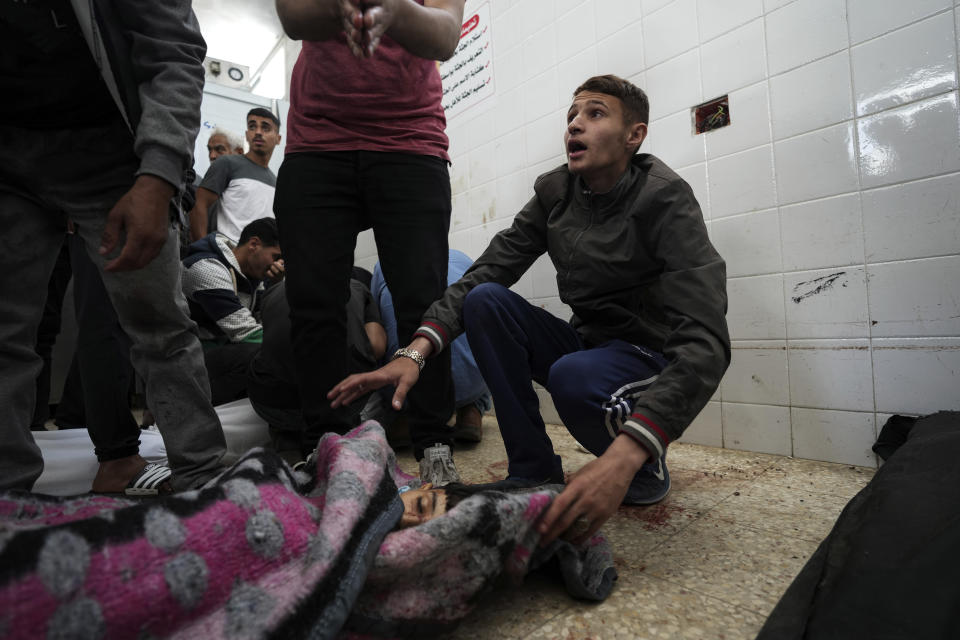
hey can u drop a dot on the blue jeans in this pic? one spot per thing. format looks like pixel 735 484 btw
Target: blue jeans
pixel 468 385
pixel 593 389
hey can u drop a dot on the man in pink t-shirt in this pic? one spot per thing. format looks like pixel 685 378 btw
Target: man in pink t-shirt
pixel 366 148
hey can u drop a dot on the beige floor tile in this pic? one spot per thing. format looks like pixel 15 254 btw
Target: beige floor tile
pixel 781 510
pixel 485 461
pixel 633 530
pixel 819 477
pixel 647 608
pixel 516 611
pixel 632 540
pixel 723 462
pixel 710 561
pixel 573 454
pixel 742 566
pixel 700 491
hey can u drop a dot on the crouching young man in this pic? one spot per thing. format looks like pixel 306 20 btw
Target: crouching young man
pixel 648 341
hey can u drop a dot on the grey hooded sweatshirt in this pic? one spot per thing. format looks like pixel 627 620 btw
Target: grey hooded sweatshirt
pixel 150 55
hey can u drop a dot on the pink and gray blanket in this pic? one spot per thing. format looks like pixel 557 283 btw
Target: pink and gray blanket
pixel 264 551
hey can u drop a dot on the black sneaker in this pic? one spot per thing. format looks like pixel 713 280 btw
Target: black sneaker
pixel 650 485
pixel 515 483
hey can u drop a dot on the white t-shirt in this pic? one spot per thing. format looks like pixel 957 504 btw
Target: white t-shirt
pixel 246 193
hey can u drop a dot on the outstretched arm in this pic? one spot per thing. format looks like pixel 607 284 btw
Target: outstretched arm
pixel 200 214
pixel 402 373
pixel 377 337
pixel 509 255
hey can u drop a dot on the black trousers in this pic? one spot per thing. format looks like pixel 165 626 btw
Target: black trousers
pixel 103 356
pixel 228 367
pixel 47 333
pixel 323 200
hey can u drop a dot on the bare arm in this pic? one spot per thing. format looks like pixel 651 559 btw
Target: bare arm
pixel 377 336
pixel 431 30
pixel 200 214
pixel 320 19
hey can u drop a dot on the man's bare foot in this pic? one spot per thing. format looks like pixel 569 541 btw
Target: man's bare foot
pixel 115 476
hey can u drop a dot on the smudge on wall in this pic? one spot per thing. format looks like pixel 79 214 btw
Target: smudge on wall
pixel 816 286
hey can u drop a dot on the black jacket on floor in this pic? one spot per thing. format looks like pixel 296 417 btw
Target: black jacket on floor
pixel 888 570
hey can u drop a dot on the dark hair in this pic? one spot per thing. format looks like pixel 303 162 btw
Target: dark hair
pixel 636 105
pixel 264 113
pixel 457 492
pixel 263 228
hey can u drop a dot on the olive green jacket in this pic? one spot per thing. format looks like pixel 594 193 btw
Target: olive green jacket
pixel 633 264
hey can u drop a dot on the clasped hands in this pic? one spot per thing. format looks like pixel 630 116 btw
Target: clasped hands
pixel 365 22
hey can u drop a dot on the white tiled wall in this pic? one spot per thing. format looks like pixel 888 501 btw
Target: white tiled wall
pixel 834 195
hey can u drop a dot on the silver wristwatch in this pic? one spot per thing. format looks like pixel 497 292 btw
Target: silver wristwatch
pixel 413 354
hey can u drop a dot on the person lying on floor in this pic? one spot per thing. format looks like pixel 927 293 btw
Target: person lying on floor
pixel 648 341
pixel 263 551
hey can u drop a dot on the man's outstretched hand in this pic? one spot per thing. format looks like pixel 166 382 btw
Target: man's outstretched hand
pixel 594 492
pixel 143 213
pixel 403 373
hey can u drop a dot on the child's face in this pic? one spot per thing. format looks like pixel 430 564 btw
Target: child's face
pixel 599 142
pixel 420 505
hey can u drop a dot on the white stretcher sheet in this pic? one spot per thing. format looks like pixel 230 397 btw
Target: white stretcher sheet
pixel 69 464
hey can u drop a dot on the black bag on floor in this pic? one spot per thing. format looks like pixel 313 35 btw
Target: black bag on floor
pixel 890 568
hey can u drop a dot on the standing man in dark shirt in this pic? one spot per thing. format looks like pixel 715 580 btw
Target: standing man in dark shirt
pixel 101 133
pixel 366 147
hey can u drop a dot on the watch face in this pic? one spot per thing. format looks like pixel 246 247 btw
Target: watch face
pixel 235 74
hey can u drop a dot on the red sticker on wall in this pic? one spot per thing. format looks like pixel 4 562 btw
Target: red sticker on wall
pixel 470 25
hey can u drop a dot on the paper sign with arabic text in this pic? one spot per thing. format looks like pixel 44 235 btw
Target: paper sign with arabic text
pixel 468 75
